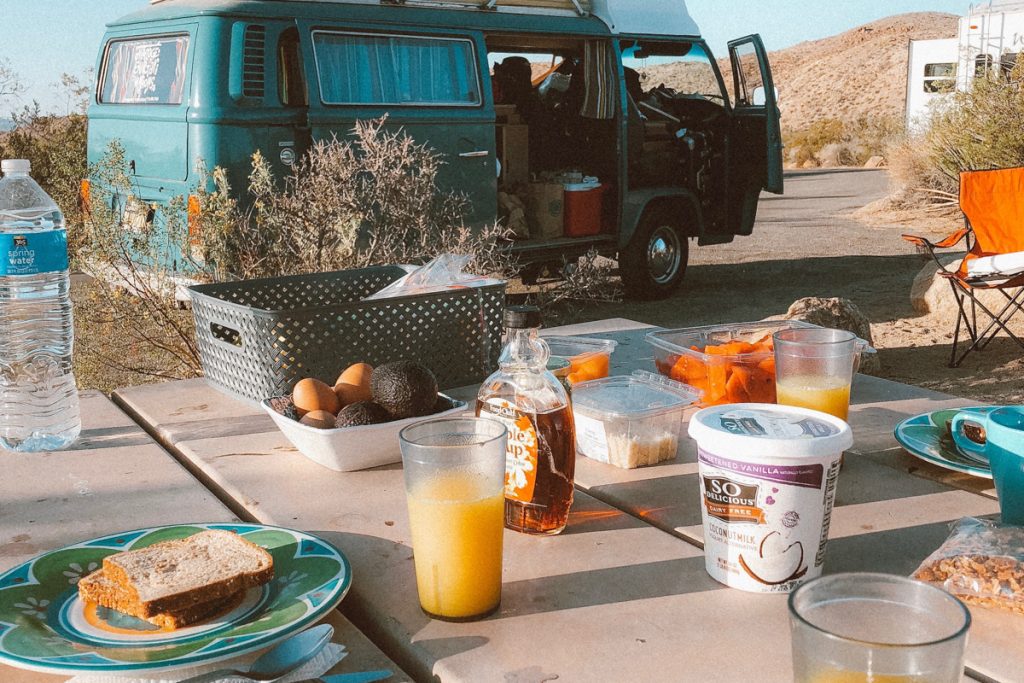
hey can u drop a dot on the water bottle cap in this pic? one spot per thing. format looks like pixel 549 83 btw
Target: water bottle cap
pixel 15 166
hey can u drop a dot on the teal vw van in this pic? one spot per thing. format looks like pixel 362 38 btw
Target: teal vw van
pixel 592 124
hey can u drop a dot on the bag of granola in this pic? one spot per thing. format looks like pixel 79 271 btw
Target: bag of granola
pixel 982 563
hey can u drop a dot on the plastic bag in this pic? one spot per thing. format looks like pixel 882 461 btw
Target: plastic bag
pixel 982 562
pixel 443 273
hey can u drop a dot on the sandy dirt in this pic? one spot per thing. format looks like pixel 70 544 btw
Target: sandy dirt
pixel 808 243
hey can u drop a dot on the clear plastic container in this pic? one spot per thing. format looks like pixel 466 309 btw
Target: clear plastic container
pixel 702 358
pixel 590 358
pixel 631 421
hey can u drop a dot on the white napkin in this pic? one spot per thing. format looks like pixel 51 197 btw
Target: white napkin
pixel 318 666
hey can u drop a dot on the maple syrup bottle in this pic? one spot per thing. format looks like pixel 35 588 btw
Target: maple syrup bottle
pixel 540 459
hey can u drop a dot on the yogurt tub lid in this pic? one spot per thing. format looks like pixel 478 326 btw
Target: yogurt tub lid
pixel 760 430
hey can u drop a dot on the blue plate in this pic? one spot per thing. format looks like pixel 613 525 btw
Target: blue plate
pixel 45 626
pixel 927 437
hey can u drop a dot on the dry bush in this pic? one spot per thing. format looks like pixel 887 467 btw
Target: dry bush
pixel 835 142
pixel 128 321
pixel 980 129
pixel 372 200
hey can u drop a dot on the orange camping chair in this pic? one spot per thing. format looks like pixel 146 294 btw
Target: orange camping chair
pixel 993 207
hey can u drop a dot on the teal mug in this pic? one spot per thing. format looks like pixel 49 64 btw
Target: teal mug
pixel 997 436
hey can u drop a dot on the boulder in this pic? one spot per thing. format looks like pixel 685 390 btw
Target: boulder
pixel 837 314
pixel 876 162
pixel 932 296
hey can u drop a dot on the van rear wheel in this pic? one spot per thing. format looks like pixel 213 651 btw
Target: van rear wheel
pixel 653 265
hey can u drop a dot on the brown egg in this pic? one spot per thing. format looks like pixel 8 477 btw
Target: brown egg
pixel 319 419
pixel 312 394
pixel 351 393
pixel 357 375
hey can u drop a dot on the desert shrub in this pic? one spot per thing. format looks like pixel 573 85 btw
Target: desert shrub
pixel 56 146
pixel 370 200
pixel 835 142
pixel 982 128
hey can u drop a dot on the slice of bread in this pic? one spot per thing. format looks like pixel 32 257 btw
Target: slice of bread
pixel 97 588
pixel 174 576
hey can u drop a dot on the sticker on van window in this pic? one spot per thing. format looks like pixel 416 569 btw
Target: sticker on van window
pixel 145 71
pixel 33 253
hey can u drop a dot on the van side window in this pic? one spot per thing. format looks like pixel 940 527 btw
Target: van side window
pixel 149 70
pixel 291 85
pixel 395 70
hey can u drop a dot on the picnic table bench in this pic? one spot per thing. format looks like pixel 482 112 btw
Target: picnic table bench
pixel 622 594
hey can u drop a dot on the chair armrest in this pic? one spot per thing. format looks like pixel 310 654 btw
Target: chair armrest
pixel 946 243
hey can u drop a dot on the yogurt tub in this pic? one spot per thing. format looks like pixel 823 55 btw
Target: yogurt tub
pixel 767 482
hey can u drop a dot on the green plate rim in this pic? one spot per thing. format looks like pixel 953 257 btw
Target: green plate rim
pixel 245 646
pixel 925 420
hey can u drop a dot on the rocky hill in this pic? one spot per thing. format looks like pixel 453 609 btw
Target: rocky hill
pixel 859 73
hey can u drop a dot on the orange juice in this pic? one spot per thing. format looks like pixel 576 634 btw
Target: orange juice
pixel 457 538
pixel 835 676
pixel 818 392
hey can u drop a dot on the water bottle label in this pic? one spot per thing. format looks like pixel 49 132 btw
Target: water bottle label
pixel 32 253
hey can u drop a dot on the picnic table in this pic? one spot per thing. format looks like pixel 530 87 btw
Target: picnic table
pixel 622 594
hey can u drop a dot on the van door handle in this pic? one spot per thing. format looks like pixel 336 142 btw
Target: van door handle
pixel 475 155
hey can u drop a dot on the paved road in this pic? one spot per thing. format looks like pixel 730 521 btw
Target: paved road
pixel 804 244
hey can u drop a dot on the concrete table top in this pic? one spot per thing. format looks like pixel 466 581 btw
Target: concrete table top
pixel 622 594
pixel 115 478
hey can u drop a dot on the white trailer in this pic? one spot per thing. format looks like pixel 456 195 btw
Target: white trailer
pixel 990 39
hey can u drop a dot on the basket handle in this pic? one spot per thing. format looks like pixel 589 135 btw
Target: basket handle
pixel 226 335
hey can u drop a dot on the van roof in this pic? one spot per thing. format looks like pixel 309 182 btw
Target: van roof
pixel 652 17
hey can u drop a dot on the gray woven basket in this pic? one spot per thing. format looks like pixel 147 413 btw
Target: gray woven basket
pixel 257 338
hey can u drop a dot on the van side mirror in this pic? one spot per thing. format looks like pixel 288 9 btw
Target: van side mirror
pixel 758 98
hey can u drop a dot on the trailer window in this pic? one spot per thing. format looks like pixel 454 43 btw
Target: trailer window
pixel 395 70
pixel 940 77
pixel 148 70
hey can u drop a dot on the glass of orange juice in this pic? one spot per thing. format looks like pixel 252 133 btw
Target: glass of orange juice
pixel 876 628
pixel 455 489
pixel 814 368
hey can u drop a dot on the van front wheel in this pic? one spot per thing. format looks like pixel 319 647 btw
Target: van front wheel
pixel 654 263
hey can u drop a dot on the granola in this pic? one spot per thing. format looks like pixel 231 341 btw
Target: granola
pixel 982 563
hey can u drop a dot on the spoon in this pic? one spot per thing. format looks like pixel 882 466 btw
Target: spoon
pixel 279 661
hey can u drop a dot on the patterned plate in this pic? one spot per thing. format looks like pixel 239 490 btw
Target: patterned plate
pixel 927 437
pixel 44 626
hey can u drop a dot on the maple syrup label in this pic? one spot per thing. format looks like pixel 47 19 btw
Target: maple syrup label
pixel 521 451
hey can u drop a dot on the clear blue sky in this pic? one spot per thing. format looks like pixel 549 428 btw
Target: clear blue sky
pixel 44 38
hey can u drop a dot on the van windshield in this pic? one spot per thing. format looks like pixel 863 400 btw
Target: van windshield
pixel 686 68
pixel 148 70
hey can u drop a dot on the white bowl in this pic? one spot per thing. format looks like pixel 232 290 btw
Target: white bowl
pixel 351 448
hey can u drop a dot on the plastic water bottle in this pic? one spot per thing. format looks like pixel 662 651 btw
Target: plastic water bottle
pixel 38 398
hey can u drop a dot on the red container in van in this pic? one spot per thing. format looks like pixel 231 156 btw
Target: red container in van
pixel 584 204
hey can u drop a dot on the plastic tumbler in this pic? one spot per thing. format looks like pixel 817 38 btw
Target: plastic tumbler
pixel 876 628
pixel 455 488
pixel 814 368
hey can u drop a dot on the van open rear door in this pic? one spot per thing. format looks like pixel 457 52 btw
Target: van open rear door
pixel 756 106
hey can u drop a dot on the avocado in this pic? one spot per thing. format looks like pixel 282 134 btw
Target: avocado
pixel 405 388
pixel 361 414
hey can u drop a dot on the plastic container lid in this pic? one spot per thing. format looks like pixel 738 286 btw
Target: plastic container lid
pixel 581 187
pixel 642 394
pixel 763 431
pixel 573 347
